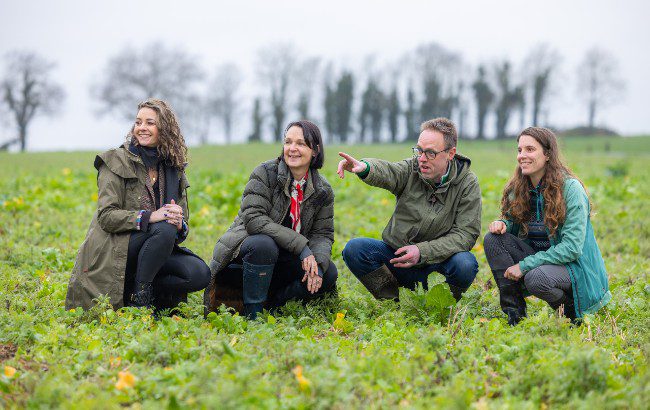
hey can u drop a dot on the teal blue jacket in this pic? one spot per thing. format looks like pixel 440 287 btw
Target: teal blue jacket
pixel 574 246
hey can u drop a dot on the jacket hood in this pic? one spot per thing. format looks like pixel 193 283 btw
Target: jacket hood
pixel 119 161
pixel 460 167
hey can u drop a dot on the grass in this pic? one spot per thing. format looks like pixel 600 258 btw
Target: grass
pixel 379 354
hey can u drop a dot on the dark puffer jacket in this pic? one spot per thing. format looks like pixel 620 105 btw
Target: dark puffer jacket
pixel 264 205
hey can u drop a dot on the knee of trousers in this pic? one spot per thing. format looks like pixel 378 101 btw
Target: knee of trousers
pixel 464 268
pixel 165 231
pixel 537 282
pixel 492 244
pixel 260 250
pixel 357 250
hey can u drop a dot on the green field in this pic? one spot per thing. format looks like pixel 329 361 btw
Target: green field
pixel 382 354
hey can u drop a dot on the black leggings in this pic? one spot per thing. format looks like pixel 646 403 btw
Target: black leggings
pixel 550 283
pixel 154 258
pixel 286 282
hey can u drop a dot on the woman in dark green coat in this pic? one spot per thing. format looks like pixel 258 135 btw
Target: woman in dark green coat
pixel 280 244
pixel 545 244
pixel 131 251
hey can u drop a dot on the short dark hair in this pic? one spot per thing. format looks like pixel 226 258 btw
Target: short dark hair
pixel 443 126
pixel 313 139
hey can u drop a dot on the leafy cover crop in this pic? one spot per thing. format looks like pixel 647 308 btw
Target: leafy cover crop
pixel 344 352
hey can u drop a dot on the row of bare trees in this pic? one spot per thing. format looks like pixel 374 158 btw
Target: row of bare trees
pixel 373 103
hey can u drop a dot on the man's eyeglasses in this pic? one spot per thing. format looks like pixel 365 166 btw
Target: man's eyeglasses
pixel 431 154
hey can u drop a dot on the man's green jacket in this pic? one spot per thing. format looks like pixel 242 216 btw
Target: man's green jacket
pixel 441 220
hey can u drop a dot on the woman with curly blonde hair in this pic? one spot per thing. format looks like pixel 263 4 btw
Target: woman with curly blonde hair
pixel 131 251
pixel 544 244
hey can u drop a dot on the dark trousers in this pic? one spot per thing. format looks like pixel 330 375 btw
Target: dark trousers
pixel 364 255
pixel 286 281
pixel 153 257
pixel 550 283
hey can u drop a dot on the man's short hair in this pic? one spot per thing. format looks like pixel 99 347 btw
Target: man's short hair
pixel 443 126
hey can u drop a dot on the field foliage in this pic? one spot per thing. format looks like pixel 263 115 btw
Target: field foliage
pixel 350 351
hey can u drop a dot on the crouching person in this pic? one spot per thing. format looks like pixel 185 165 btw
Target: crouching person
pixel 131 251
pixel 279 246
pixel 545 243
pixel 436 221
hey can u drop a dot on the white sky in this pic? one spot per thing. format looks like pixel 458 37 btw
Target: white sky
pixel 80 36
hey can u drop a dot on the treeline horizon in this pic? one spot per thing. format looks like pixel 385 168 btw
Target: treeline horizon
pixel 372 104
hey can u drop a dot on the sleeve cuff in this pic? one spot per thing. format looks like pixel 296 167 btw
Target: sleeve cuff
pixel 182 234
pixel 363 174
pixel 142 220
pixel 305 252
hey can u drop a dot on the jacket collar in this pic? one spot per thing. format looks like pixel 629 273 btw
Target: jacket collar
pixel 284 179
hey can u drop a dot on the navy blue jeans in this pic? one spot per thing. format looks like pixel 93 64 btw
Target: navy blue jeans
pixel 364 255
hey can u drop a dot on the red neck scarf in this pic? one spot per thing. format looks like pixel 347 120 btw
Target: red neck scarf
pixel 296 199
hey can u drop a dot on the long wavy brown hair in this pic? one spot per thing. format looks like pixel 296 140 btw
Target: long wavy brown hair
pixel 515 203
pixel 171 143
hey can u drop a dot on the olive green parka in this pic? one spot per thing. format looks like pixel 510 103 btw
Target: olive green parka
pixel 441 220
pixel 100 264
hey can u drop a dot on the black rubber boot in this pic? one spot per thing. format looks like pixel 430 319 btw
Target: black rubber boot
pixel 257 279
pixel 381 283
pixel 142 295
pixel 163 301
pixel 457 292
pixel 511 297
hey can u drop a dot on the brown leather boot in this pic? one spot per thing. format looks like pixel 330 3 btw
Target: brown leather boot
pixel 381 283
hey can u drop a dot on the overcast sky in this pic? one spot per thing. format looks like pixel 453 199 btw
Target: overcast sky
pixel 80 36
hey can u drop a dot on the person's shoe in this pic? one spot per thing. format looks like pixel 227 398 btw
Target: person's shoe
pixel 511 298
pixel 381 284
pixel 257 279
pixel 168 301
pixel 142 295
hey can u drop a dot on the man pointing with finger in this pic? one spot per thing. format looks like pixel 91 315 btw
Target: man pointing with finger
pixel 436 221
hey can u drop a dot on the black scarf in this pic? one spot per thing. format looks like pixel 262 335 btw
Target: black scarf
pixel 152 159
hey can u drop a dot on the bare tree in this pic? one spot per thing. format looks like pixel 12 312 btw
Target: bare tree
pixel 484 98
pixel 306 79
pixel 223 95
pixel 541 68
pixel 28 91
pixel 509 97
pixel 257 118
pixel 152 71
pixel 599 84
pixel 276 67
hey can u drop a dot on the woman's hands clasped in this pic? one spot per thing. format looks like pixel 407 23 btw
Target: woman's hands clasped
pixel 314 282
pixel 172 213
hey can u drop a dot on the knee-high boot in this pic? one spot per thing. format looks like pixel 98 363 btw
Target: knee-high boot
pixel 381 283
pixel 511 297
pixel 257 279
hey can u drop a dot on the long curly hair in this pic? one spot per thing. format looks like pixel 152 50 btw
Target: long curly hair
pixel 171 143
pixel 515 203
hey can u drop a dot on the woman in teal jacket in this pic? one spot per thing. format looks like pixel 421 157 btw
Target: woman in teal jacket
pixel 545 243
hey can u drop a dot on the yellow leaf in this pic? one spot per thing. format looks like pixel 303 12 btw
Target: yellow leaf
pixel 114 361
pixel 341 324
pixel 66 171
pixel 303 382
pixel 125 380
pixel 94 197
pixel 10 371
